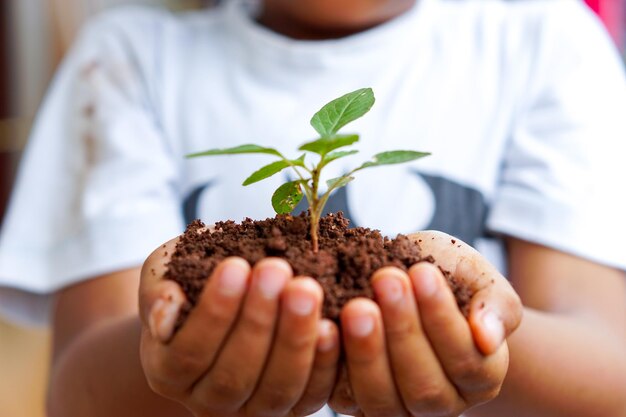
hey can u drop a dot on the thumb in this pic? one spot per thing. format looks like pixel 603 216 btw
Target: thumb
pixel 495 308
pixel 160 300
pixel 495 312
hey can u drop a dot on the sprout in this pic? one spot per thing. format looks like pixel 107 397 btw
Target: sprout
pixel 327 122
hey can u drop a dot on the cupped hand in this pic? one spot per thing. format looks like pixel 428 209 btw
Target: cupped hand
pixel 254 345
pixel 413 353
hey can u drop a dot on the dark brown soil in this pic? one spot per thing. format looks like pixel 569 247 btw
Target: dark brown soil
pixel 344 264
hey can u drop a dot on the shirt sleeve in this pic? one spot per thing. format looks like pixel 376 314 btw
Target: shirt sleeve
pixel 562 177
pixel 97 187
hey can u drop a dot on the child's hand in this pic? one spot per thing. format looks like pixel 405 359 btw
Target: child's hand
pixel 253 346
pixel 413 352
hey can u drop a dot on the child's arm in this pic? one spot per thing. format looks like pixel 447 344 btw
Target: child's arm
pixel 567 358
pixel 95 367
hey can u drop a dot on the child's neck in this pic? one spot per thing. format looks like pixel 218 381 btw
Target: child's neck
pixel 324 19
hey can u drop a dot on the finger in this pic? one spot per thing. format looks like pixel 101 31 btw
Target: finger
pixel 235 373
pixel 160 327
pixel 476 377
pixel 366 357
pixel 293 350
pixel 165 299
pixel 448 251
pixel 495 308
pixel 342 398
pixel 324 373
pixel 152 286
pixel 495 313
pixel 420 378
pixel 173 367
pixel 194 347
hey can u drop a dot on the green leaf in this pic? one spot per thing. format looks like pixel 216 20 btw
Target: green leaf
pixel 236 150
pixel 341 111
pixel 336 155
pixel 286 197
pixel 273 168
pixel 338 182
pixel 266 172
pixel 323 146
pixel 300 161
pixel 393 157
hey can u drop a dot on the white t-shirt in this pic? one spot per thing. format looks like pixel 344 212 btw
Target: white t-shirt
pixel 522 104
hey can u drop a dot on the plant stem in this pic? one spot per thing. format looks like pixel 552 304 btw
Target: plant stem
pixel 314 214
pixel 314 232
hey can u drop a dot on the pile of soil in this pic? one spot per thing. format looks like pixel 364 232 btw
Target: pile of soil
pixel 346 260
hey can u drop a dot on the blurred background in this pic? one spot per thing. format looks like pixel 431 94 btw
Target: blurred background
pixel 34 35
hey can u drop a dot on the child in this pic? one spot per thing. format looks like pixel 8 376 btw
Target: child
pixel 522 105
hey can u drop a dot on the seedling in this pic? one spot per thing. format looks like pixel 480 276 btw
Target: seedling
pixel 327 122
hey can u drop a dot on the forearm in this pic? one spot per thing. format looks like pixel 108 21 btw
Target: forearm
pixel 562 366
pixel 99 374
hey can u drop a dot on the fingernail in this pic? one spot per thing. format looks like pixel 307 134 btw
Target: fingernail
pixel 326 339
pixel 271 280
pixel 493 326
pixel 163 319
pixel 389 289
pixel 426 282
pixel 156 307
pixel 301 303
pixel 232 279
pixel 361 326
